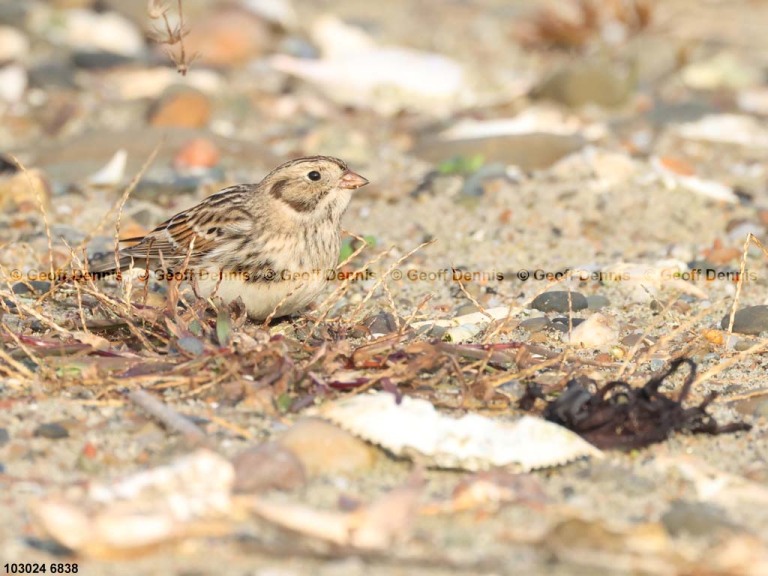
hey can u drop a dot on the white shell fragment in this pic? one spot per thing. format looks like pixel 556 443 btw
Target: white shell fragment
pixel 144 509
pixel 596 331
pixel 737 129
pixel 530 121
pixel 466 326
pixel 707 188
pixel 354 71
pixel 112 172
pixel 415 429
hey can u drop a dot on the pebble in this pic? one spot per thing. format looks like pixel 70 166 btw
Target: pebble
pixel 14 45
pixel 657 364
pixel 633 339
pixel 24 190
pixel 325 449
pixel 557 301
pixel 268 466
pixel 181 107
pixel 381 323
pixel 31 287
pixel 695 519
pixel 595 332
pixel 533 151
pixel 597 301
pixel 750 320
pixel 59 73
pixel 756 406
pixel 742 345
pixel 13 83
pixel 4 437
pixel 52 431
pixel 474 184
pixel 99 60
pixel 739 232
pixel 88 30
pixel 584 82
pixel 196 154
pixel 725 71
pixel 191 345
pixel 229 37
pixel 534 325
pixel 561 323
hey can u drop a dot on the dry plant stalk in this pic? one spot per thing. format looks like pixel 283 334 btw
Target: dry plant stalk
pixel 171 36
pixel 751 239
pixel 43 212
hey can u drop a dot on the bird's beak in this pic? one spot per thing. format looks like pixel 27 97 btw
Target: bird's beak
pixel 352 181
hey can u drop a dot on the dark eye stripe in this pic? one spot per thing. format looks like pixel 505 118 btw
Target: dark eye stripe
pixel 276 190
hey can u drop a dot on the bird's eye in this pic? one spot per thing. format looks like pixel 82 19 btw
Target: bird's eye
pixel 314 175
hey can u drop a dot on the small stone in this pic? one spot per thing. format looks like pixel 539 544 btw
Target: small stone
pixel 750 320
pixel 381 323
pixel 597 301
pixel 583 82
pixel 191 345
pixel 14 45
pixel 532 151
pixel 637 339
pixel 657 364
pixel 325 449
pixel 4 437
pixel 13 83
pixel 742 345
pixel 557 301
pixel 534 325
pixel 465 309
pixel 695 519
pixel 438 332
pixel 52 74
pixel 725 71
pixel 756 406
pixel 181 107
pixel 562 323
pixel 31 287
pixel 268 466
pixel 88 30
pixel 596 331
pixel 229 37
pixel 474 184
pixel 99 60
pixel 51 430
pixel 196 154
pixel 24 191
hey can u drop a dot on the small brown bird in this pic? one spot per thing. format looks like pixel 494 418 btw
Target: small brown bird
pixel 272 244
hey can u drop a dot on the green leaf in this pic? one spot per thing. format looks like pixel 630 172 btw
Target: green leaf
pixel 461 164
pixel 223 328
pixel 284 402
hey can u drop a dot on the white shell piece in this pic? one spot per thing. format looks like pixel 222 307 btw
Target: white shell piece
pixel 738 129
pixel 707 188
pixel 415 429
pixel 112 172
pixel 192 486
pixel 466 326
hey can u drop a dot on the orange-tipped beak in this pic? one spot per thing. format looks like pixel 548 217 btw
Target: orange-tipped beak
pixel 352 181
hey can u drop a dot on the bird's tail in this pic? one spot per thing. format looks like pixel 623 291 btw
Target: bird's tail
pixel 105 267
